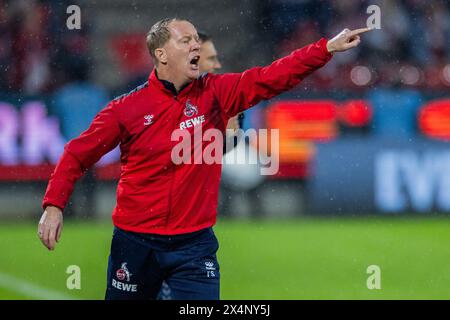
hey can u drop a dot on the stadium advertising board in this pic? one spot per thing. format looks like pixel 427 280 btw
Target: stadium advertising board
pixel 31 142
pixel 31 139
pixel 353 176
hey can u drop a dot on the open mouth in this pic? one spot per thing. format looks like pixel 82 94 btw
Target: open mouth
pixel 194 62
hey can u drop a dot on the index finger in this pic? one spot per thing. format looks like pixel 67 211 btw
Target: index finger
pixel 44 235
pixel 52 238
pixel 359 31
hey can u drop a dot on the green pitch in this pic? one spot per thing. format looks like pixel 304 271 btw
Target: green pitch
pixel 294 259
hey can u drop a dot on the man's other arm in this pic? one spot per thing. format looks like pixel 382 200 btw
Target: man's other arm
pixel 79 155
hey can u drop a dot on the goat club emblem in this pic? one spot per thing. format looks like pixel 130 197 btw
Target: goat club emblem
pixel 123 273
pixel 190 110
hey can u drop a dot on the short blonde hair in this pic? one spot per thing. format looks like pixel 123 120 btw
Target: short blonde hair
pixel 158 35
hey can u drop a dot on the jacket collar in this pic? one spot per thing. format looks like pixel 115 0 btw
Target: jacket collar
pixel 168 86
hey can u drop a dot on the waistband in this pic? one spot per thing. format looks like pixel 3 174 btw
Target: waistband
pixel 169 239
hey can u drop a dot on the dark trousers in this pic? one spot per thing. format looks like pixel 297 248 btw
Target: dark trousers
pixel 139 263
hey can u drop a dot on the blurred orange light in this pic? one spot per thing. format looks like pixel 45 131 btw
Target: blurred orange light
pixel 434 119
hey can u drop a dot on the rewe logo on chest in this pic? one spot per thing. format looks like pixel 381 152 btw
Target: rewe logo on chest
pixel 192 122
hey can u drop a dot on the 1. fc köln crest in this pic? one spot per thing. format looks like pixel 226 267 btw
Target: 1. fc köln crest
pixel 123 273
pixel 190 110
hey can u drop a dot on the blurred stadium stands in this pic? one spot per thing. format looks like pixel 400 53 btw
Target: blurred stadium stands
pixel 395 88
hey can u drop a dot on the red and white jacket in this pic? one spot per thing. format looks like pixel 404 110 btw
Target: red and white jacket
pixel 154 195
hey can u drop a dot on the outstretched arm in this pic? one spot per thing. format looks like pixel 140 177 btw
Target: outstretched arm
pixel 237 92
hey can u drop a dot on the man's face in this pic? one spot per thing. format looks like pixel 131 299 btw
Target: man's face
pixel 209 61
pixel 183 50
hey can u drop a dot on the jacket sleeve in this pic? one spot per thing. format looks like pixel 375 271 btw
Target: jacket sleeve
pixel 80 154
pixel 237 92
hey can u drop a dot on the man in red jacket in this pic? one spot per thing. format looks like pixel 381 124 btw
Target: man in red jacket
pixel 165 209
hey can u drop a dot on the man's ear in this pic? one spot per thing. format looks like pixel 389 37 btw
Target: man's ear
pixel 161 55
